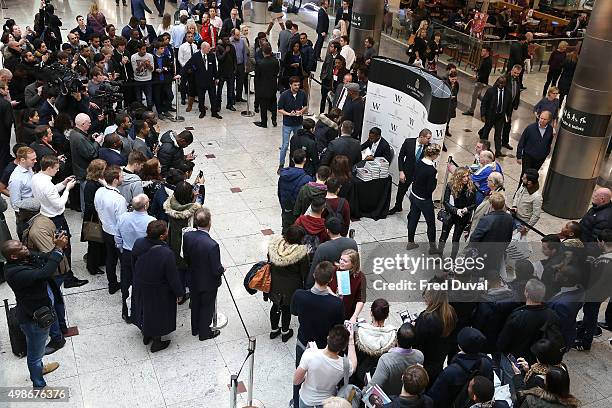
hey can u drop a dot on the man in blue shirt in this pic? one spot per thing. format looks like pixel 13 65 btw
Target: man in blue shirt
pixel 131 226
pixel 241 59
pixel 292 104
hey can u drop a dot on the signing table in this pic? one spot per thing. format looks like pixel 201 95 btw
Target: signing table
pixel 370 199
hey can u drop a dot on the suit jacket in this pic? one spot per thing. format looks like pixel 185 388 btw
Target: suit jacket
pixel 266 72
pixel 406 160
pixel 205 75
pixel 227 27
pixel 111 157
pixel 488 106
pixel 516 54
pixel 166 62
pixel 353 110
pixel 567 305
pixel 142 146
pixel 125 71
pixel 514 102
pixel 343 145
pixel 322 22
pixel 496 227
pixel 203 257
pixel 46 113
pixel 383 149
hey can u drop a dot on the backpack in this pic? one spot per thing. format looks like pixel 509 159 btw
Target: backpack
pixel 462 399
pixel 312 243
pixel 336 213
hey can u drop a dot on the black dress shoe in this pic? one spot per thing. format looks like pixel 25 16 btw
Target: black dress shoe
pixel 217 116
pixel 411 245
pixel 274 123
pixel 257 109
pixel 183 102
pixel 507 146
pixel 287 335
pixel 274 334
pixel 159 345
pixel 146 340
pixel 114 288
pixel 240 100
pixel 95 271
pixel 75 283
pixel 259 124
pixel 394 210
pixel 54 345
pixel 202 114
pixel 211 335
pixel 230 108
pixel 185 298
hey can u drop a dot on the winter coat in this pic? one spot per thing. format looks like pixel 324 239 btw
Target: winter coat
pixel 169 154
pixel 305 140
pixel 325 131
pixel 306 195
pixel 371 342
pixel 313 226
pixel 179 217
pixel 429 340
pixel 159 198
pixel 289 267
pixel 156 286
pixel 491 313
pixel 540 398
pixel 290 182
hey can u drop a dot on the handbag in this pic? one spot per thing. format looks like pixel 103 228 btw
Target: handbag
pixel 262 279
pixel 444 216
pixel 92 231
pixel 44 317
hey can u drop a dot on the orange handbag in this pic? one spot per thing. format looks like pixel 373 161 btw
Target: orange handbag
pixel 262 280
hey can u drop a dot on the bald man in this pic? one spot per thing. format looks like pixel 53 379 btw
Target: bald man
pixel 83 148
pixel 131 226
pixel 535 143
pixel 597 219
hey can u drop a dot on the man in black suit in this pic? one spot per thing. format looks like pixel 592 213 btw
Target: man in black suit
pixel 377 145
pixel 345 9
pixel 123 67
pixel 230 23
pixel 203 65
pixel 266 73
pixel 493 233
pixel 203 258
pixel 513 88
pixel 354 108
pixel 481 78
pixel 519 53
pixel 48 111
pixel 322 28
pixel 493 110
pixel 147 32
pixel 411 151
pixel 111 150
pixel 344 145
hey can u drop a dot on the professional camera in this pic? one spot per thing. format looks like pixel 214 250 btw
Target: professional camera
pixel 63 79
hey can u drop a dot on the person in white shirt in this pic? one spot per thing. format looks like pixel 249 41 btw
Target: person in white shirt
pixel 347 52
pixel 215 20
pixel 185 52
pixel 110 204
pixel 142 63
pixel 320 370
pixel 20 188
pixel 178 31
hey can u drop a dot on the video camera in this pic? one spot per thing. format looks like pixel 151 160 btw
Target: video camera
pixel 63 79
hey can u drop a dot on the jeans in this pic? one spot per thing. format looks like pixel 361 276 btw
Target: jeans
pixel 147 88
pixel 304 405
pixel 458 224
pixel 416 208
pixel 299 351
pixel 231 96
pixel 55 331
pixel 287 131
pixel 36 339
pixel 476 94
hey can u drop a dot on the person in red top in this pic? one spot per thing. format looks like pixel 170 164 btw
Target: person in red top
pixel 313 222
pixel 333 202
pixel 208 31
pixel 353 303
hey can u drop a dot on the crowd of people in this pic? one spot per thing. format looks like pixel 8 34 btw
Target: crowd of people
pixel 141 214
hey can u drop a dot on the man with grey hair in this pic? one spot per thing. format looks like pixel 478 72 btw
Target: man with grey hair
pixel 524 325
pixel 344 145
pixel 203 259
pixel 203 66
pixel 131 226
pixel 354 108
pixel 83 148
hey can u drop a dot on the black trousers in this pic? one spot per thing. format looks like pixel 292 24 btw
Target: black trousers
pixel 402 189
pixel 506 130
pixel 61 224
pixel 112 256
pixel 318 46
pixel 126 277
pixel 277 313
pixel 324 92
pixel 497 123
pixel 212 96
pixel 5 147
pixel 202 310
pixel 160 5
pixel 265 105
pixel 458 225
pixel 239 80
pixel 96 255
pixel 551 79
pixel 418 207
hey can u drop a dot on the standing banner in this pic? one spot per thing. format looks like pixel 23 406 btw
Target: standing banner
pixel 402 100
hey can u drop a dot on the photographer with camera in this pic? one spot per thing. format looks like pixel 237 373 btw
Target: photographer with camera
pixel 29 276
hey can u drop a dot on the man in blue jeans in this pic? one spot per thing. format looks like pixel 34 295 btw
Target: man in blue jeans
pixel 292 104
pixel 29 275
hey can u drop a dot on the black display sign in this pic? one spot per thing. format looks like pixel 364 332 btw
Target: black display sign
pixel 363 21
pixel 583 123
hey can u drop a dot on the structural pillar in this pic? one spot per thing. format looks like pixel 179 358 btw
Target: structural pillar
pixel 582 140
pixel 366 21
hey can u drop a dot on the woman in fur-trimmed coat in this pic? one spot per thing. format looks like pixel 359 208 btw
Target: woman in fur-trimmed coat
pixel 288 269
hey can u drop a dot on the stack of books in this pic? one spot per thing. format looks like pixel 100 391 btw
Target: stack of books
pixel 384 166
pixel 364 174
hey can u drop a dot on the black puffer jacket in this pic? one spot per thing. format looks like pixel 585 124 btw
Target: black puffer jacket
pixel 325 131
pixel 597 219
pixel 170 154
pixel 305 140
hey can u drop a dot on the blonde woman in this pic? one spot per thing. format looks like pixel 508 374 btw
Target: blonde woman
pixel 495 184
pixel 96 20
pixel 433 329
pixel 353 303
pixel 193 28
pixel 276 15
pixel 555 66
pixel 459 202
pixel 165 26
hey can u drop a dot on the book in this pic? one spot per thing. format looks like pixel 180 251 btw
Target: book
pixel 344 282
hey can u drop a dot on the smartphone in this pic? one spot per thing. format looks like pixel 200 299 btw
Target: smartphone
pixel 514 360
pixel 201 174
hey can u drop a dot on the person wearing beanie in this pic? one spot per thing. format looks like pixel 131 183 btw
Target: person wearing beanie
pixel 453 380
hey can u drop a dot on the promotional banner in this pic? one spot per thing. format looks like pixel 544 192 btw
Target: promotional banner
pixel 402 100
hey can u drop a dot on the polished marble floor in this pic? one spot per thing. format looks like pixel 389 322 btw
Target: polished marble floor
pixel 106 365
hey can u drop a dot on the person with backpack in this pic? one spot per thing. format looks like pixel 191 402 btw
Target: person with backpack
pixel 451 387
pixel 481 392
pixel 529 323
pixel 353 301
pixel 335 206
pixel 414 383
pixel 290 181
pixel 288 268
pixel 314 225
pixel 311 190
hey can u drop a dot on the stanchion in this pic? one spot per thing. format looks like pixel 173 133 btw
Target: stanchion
pixel 251 403
pixel 233 391
pixel 438 203
pixel 219 319
pixel 177 118
pixel 308 96
pixel 248 113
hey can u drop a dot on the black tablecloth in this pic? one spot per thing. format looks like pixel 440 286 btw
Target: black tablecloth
pixel 370 199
